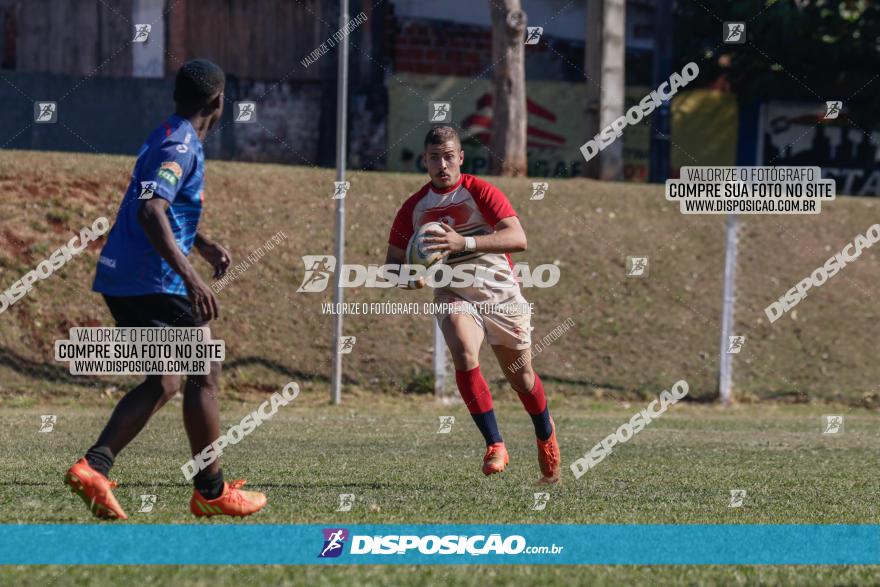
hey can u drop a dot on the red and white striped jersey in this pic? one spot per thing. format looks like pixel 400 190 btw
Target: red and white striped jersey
pixel 471 207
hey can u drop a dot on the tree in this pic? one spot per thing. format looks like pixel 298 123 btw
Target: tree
pixel 605 64
pixel 798 50
pixel 509 119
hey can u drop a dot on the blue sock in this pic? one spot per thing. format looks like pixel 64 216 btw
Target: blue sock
pixel 488 426
pixel 543 429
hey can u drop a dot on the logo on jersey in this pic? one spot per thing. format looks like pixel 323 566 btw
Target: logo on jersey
pixel 174 167
pixel 148 188
pixel 170 171
pixel 334 540
pixel 454 215
pixel 182 148
pixel 318 271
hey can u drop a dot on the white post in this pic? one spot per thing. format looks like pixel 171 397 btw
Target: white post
pixel 341 111
pixel 726 359
pixel 439 362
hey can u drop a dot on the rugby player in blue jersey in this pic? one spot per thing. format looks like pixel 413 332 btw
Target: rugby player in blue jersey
pixel 147 281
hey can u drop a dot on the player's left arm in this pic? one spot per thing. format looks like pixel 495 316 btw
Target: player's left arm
pixel 213 253
pixel 509 237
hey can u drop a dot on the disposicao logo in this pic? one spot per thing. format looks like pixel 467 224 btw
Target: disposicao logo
pixel 334 540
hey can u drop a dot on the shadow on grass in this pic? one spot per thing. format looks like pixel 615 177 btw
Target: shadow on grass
pixel 61 374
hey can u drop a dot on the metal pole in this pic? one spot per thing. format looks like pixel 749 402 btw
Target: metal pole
pixel 726 359
pixel 341 119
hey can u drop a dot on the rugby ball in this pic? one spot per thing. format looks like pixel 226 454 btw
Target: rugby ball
pixel 415 251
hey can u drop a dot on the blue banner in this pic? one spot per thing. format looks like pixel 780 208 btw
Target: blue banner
pixel 256 544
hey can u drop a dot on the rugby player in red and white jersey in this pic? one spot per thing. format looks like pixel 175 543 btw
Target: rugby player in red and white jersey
pixel 481 229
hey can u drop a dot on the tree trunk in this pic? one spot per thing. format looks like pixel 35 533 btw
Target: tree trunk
pixel 613 68
pixel 509 119
pixel 605 65
pixel 593 69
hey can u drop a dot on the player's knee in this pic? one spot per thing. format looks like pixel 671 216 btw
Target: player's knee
pixel 465 360
pixel 168 386
pixel 523 382
pixel 202 384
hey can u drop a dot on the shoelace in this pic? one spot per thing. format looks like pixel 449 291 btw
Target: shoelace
pixel 234 492
pixel 549 455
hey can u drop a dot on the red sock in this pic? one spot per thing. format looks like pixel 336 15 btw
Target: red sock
pixel 474 390
pixel 535 404
pixel 534 401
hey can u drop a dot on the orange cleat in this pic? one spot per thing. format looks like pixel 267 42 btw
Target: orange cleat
pixel 94 489
pixel 548 457
pixel 232 502
pixel 495 459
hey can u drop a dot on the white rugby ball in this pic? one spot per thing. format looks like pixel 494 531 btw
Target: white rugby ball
pixel 415 251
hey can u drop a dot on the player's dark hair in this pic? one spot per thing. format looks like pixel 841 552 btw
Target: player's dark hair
pixel 198 82
pixel 440 134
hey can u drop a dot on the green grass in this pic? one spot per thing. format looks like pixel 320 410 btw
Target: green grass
pixel 387 452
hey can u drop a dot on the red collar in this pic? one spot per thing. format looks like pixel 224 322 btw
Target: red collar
pixel 451 188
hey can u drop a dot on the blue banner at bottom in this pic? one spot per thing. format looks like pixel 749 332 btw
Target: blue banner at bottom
pixel 251 544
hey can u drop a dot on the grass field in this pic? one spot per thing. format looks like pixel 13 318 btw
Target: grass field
pixel 387 452
pixel 632 338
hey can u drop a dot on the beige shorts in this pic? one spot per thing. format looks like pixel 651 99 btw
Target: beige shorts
pixel 508 323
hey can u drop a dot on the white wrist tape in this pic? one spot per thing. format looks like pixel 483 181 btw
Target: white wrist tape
pixel 470 243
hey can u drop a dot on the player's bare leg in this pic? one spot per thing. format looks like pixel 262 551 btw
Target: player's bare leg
pixel 201 418
pixel 464 338
pixel 517 367
pixel 88 477
pixel 134 410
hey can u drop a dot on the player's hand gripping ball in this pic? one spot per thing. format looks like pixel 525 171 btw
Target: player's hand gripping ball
pixel 415 251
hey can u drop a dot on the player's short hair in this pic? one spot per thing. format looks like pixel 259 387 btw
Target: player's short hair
pixel 198 82
pixel 441 133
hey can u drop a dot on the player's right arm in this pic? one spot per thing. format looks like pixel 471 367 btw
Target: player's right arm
pixel 153 218
pixel 398 239
pixel 397 256
pixel 168 166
